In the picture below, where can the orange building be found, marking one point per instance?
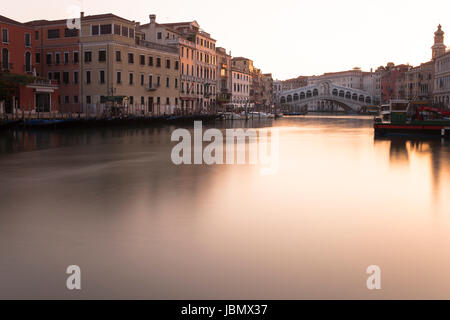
(18, 53)
(57, 58)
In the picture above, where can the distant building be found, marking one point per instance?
(241, 82)
(419, 82)
(393, 82)
(441, 70)
(197, 55)
(225, 78)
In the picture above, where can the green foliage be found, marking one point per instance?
(10, 83)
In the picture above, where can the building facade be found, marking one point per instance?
(442, 80)
(19, 62)
(225, 76)
(241, 82)
(197, 55)
(118, 65)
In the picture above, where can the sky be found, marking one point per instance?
(287, 38)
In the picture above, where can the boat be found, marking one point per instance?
(260, 116)
(400, 117)
(230, 116)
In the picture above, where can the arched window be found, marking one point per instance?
(296, 97)
(5, 59)
(355, 96)
(302, 96)
(348, 95)
(315, 92)
(335, 92)
(289, 98)
(27, 61)
(342, 93)
(368, 100)
(309, 94)
(283, 100)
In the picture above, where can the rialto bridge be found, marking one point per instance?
(326, 96)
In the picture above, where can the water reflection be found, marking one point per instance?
(110, 201)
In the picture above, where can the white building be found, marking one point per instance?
(442, 80)
(354, 79)
(240, 88)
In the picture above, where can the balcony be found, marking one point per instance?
(153, 88)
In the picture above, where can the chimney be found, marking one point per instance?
(152, 18)
(82, 14)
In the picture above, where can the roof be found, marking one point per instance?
(11, 21)
(38, 23)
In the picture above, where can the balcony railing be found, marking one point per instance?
(153, 88)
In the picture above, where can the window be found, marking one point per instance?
(76, 57)
(57, 77)
(102, 56)
(57, 58)
(124, 31)
(88, 57)
(150, 81)
(158, 62)
(131, 100)
(95, 30)
(142, 101)
(130, 58)
(36, 35)
(75, 77)
(70, 33)
(49, 59)
(50, 76)
(118, 56)
(142, 60)
(88, 99)
(66, 99)
(167, 64)
(102, 76)
(150, 61)
(176, 83)
(27, 62)
(38, 58)
(119, 77)
(142, 80)
(167, 83)
(106, 29)
(159, 35)
(75, 99)
(131, 33)
(27, 40)
(131, 79)
(158, 81)
(167, 101)
(177, 65)
(158, 101)
(66, 77)
(117, 29)
(53, 34)
(66, 58)
(88, 77)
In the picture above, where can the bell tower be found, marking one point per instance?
(439, 46)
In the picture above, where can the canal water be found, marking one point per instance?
(112, 202)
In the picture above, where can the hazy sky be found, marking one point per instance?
(285, 37)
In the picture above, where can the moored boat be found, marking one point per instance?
(401, 118)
